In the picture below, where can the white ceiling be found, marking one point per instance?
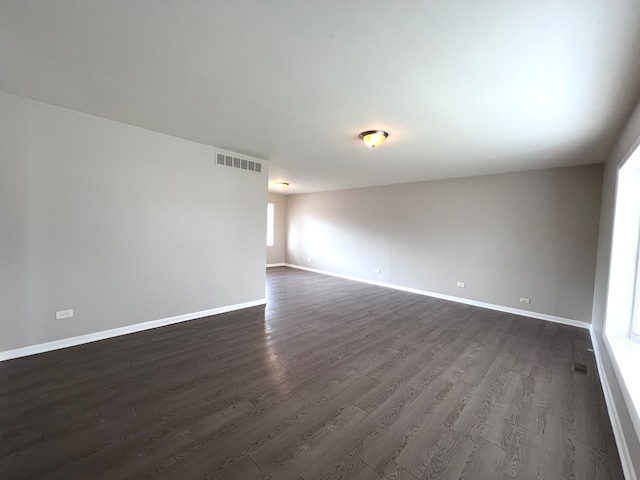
(463, 87)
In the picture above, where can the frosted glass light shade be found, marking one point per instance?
(373, 138)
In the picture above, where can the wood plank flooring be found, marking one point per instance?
(331, 380)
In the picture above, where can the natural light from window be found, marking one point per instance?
(635, 326)
(270, 224)
(622, 324)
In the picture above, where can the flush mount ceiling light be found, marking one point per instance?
(282, 185)
(373, 138)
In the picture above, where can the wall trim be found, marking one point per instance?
(618, 354)
(270, 265)
(491, 306)
(623, 449)
(116, 332)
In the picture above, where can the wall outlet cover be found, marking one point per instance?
(64, 314)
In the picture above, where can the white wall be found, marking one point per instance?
(121, 224)
(276, 253)
(529, 234)
(629, 140)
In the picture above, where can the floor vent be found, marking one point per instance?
(580, 368)
(232, 161)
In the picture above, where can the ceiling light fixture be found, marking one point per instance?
(282, 185)
(373, 138)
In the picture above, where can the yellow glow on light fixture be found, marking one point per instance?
(373, 138)
(282, 185)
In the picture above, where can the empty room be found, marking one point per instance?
(319, 240)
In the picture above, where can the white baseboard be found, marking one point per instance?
(269, 265)
(515, 311)
(623, 450)
(115, 332)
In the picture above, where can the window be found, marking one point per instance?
(623, 303)
(635, 322)
(622, 320)
(270, 224)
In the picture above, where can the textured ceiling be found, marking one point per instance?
(463, 87)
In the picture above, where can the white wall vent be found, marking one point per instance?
(234, 161)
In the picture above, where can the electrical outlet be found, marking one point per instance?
(461, 284)
(64, 314)
(377, 270)
(525, 300)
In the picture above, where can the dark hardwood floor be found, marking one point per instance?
(332, 380)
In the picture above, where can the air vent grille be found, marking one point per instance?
(580, 368)
(232, 161)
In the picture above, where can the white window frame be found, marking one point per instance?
(623, 288)
(635, 318)
(271, 223)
